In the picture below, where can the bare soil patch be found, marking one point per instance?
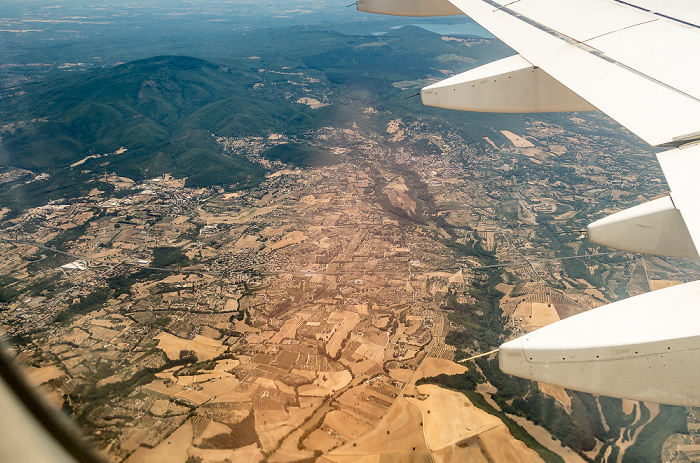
(545, 438)
(399, 433)
(543, 314)
(172, 450)
(401, 374)
(435, 366)
(333, 380)
(661, 284)
(42, 375)
(350, 319)
(558, 393)
(348, 426)
(321, 440)
(450, 417)
(517, 140)
(205, 348)
(501, 446)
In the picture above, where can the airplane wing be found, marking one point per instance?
(638, 66)
(638, 61)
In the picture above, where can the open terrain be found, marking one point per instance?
(255, 253)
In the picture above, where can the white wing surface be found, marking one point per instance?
(639, 62)
(639, 67)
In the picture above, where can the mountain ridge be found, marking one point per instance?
(162, 109)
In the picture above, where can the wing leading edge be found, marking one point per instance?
(637, 61)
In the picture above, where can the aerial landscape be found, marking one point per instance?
(229, 233)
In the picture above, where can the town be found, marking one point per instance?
(292, 321)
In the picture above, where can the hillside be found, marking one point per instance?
(163, 110)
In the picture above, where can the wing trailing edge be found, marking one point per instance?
(655, 228)
(509, 85)
(409, 7)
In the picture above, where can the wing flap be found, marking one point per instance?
(655, 227)
(510, 85)
(680, 168)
